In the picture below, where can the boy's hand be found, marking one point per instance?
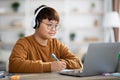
(58, 66)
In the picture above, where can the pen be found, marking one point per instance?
(53, 55)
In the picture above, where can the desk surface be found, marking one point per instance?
(56, 76)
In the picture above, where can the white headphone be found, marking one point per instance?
(34, 23)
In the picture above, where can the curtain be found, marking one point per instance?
(116, 8)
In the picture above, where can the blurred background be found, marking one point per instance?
(81, 23)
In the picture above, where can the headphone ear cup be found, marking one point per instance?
(36, 24)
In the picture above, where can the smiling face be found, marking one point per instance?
(47, 29)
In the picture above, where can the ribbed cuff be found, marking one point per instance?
(47, 67)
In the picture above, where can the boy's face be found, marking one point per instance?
(47, 29)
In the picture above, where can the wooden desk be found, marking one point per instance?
(56, 76)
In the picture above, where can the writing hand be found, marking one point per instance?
(58, 66)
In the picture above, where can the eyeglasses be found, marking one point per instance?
(51, 26)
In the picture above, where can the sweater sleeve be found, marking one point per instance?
(72, 61)
(19, 63)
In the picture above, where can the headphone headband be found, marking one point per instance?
(34, 18)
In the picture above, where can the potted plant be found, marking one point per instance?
(21, 35)
(72, 36)
(92, 6)
(15, 6)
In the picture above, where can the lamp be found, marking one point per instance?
(110, 20)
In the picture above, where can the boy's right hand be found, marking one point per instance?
(58, 66)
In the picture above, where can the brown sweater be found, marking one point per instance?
(29, 56)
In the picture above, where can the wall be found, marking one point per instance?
(76, 17)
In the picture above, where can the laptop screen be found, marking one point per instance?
(101, 58)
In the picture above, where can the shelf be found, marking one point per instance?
(78, 27)
(12, 29)
(84, 42)
(13, 14)
(87, 13)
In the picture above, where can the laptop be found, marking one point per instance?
(100, 58)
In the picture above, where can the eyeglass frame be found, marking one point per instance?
(50, 26)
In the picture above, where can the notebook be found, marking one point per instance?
(100, 58)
